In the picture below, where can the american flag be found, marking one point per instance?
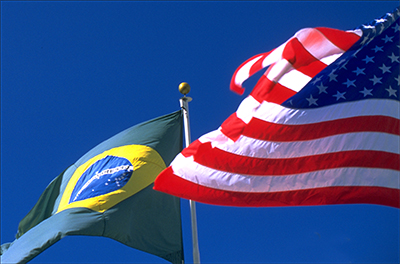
(320, 127)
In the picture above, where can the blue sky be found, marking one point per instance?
(75, 73)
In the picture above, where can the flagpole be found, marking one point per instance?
(184, 89)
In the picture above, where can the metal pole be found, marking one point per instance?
(184, 88)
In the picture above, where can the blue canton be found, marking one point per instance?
(369, 69)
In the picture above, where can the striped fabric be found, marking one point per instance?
(294, 63)
(320, 127)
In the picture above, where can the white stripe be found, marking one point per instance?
(329, 59)
(244, 72)
(255, 148)
(294, 80)
(275, 113)
(274, 56)
(247, 109)
(278, 70)
(189, 170)
(320, 48)
(358, 32)
(323, 50)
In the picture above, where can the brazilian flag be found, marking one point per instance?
(109, 192)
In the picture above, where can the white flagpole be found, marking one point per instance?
(184, 89)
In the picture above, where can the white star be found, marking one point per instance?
(359, 71)
(376, 49)
(341, 61)
(376, 80)
(312, 100)
(396, 28)
(391, 91)
(350, 83)
(322, 88)
(388, 39)
(398, 80)
(366, 38)
(366, 92)
(339, 95)
(382, 28)
(332, 76)
(394, 58)
(368, 59)
(384, 68)
(355, 53)
(344, 65)
(317, 80)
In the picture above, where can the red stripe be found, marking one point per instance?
(312, 69)
(233, 127)
(192, 149)
(262, 88)
(258, 65)
(296, 54)
(264, 130)
(267, 90)
(168, 182)
(342, 39)
(238, 88)
(221, 160)
(301, 58)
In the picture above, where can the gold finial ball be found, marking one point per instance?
(184, 88)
